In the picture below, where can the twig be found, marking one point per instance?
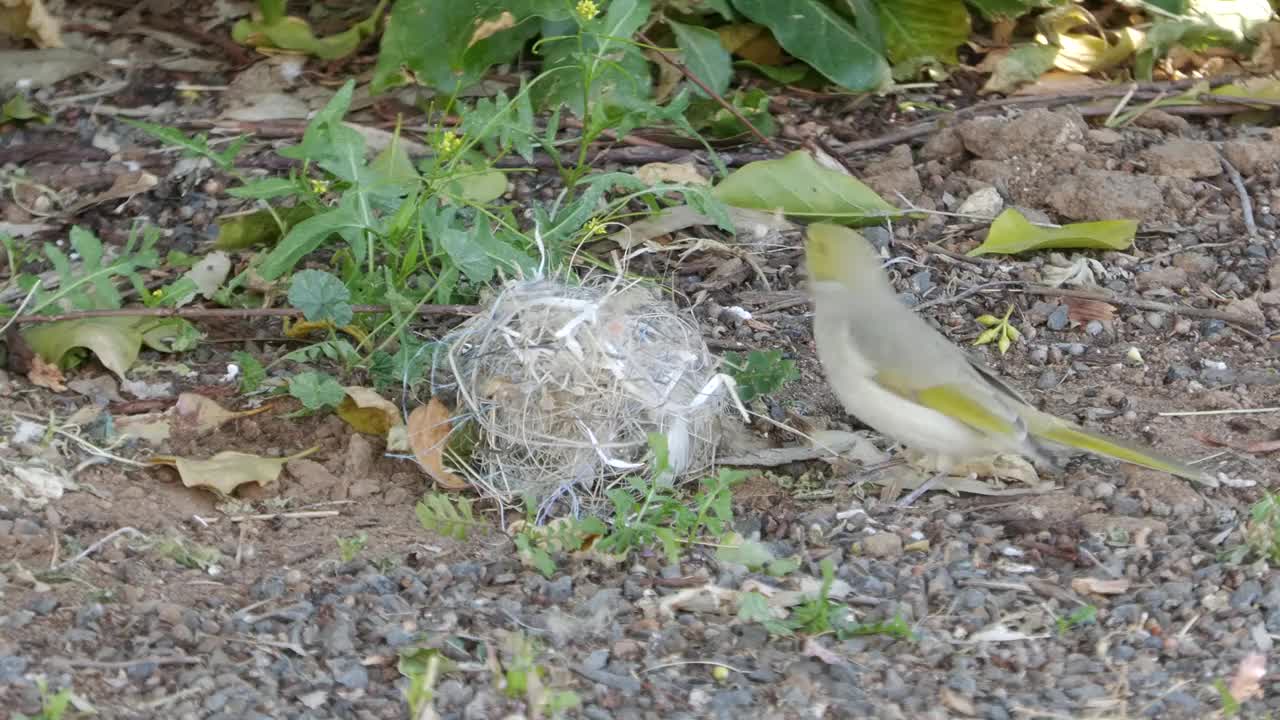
(233, 312)
(1175, 251)
(681, 663)
(1107, 297)
(1193, 413)
(767, 141)
(94, 547)
(295, 515)
(1246, 205)
(121, 664)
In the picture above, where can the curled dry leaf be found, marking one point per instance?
(228, 470)
(429, 428)
(1099, 586)
(368, 412)
(193, 414)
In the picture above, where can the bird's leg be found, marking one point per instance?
(924, 488)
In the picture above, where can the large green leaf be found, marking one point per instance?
(704, 55)
(305, 237)
(116, 341)
(1006, 9)
(800, 187)
(917, 29)
(448, 44)
(1012, 233)
(814, 33)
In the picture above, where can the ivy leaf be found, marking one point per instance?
(321, 296)
(316, 390)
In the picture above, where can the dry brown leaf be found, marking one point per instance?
(46, 375)
(228, 470)
(29, 19)
(1263, 447)
(682, 173)
(957, 702)
(751, 42)
(1247, 683)
(200, 414)
(1083, 311)
(814, 649)
(486, 28)
(429, 428)
(126, 185)
(1098, 586)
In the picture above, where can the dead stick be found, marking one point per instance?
(768, 142)
(1208, 313)
(1246, 204)
(233, 312)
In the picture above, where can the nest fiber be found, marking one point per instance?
(565, 383)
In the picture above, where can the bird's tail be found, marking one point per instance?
(1052, 429)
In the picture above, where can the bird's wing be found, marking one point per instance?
(972, 405)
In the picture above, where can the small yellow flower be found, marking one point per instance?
(587, 9)
(319, 187)
(158, 292)
(189, 95)
(595, 227)
(448, 144)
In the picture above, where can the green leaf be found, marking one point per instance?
(305, 237)
(478, 186)
(251, 371)
(238, 231)
(447, 516)
(800, 187)
(917, 29)
(704, 55)
(1007, 9)
(321, 296)
(435, 42)
(1022, 65)
(115, 341)
(782, 74)
(617, 69)
(751, 553)
(316, 390)
(816, 34)
(761, 372)
(265, 189)
(1013, 233)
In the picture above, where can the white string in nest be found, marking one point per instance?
(565, 383)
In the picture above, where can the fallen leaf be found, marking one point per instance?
(1080, 310)
(429, 428)
(957, 702)
(115, 341)
(28, 19)
(35, 485)
(209, 274)
(126, 185)
(1099, 586)
(1247, 683)
(1263, 447)
(227, 470)
(814, 649)
(368, 412)
(751, 42)
(46, 375)
(1013, 233)
(199, 414)
(680, 173)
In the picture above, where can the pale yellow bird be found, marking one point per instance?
(895, 373)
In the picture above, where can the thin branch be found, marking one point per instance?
(232, 312)
(1246, 204)
(768, 142)
(1144, 304)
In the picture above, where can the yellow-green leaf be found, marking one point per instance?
(798, 186)
(1012, 233)
(227, 470)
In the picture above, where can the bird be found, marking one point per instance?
(898, 375)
